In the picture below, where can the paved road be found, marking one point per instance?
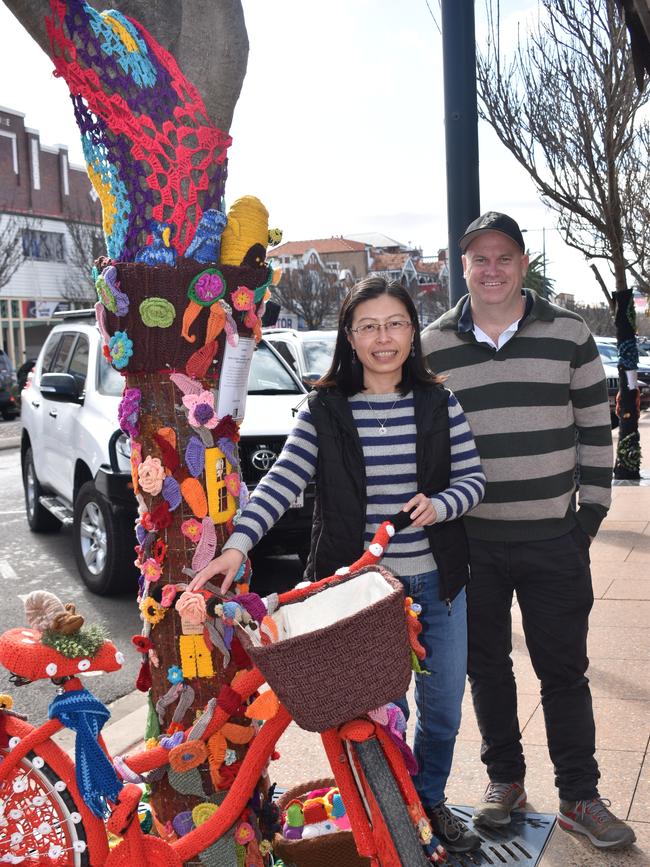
(29, 561)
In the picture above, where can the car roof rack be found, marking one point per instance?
(86, 313)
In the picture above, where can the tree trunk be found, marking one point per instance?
(172, 296)
(628, 451)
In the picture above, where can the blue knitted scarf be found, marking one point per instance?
(96, 777)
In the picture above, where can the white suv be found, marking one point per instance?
(308, 353)
(75, 462)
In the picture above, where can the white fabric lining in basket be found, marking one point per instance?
(331, 605)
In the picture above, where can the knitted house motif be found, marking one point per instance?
(218, 475)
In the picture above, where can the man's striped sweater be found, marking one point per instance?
(390, 474)
(539, 412)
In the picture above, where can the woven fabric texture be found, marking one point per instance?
(343, 671)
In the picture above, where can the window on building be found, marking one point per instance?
(44, 246)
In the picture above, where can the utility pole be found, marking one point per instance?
(461, 130)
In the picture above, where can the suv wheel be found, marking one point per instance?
(102, 541)
(38, 518)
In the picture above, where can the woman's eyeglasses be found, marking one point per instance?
(370, 329)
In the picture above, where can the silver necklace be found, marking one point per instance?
(382, 424)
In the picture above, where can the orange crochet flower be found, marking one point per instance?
(189, 755)
(151, 610)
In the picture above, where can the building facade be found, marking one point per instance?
(47, 209)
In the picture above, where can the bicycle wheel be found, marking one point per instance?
(386, 792)
(39, 819)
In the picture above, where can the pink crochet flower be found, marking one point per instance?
(151, 475)
(192, 529)
(201, 409)
(191, 608)
(151, 571)
(242, 298)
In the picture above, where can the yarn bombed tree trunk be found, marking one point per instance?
(180, 300)
(628, 451)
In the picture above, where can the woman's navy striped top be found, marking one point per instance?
(390, 472)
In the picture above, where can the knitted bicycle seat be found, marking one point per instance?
(55, 643)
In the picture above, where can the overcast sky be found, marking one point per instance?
(340, 125)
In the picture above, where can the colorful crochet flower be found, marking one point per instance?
(142, 643)
(191, 608)
(159, 551)
(209, 287)
(174, 674)
(242, 298)
(151, 610)
(202, 812)
(188, 755)
(128, 412)
(121, 349)
(244, 833)
(192, 529)
(151, 475)
(108, 292)
(151, 570)
(201, 410)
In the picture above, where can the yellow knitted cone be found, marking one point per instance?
(247, 228)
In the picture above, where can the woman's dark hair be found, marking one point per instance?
(346, 372)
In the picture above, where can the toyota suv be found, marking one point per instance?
(75, 463)
(308, 353)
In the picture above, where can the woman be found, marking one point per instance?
(381, 434)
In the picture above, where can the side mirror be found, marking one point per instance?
(61, 387)
(309, 378)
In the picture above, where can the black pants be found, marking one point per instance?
(552, 581)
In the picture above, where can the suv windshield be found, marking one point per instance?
(268, 376)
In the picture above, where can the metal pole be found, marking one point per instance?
(461, 130)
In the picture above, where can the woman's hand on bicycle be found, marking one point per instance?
(423, 513)
(227, 564)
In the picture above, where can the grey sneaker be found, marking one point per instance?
(452, 832)
(593, 819)
(499, 800)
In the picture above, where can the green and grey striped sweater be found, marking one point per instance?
(539, 413)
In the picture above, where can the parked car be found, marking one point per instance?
(608, 351)
(76, 464)
(8, 405)
(611, 372)
(309, 353)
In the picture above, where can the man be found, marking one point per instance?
(529, 378)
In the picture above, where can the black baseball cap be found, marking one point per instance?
(493, 221)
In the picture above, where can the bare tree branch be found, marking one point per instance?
(11, 245)
(566, 106)
(311, 293)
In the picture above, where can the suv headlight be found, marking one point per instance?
(123, 446)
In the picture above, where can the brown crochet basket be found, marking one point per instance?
(331, 850)
(359, 662)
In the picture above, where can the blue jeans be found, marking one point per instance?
(438, 695)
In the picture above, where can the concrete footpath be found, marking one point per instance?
(619, 650)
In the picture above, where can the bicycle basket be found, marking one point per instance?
(329, 850)
(342, 650)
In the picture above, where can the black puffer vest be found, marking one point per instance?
(340, 509)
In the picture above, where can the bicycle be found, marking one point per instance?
(45, 820)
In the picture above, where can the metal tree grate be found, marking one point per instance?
(522, 842)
